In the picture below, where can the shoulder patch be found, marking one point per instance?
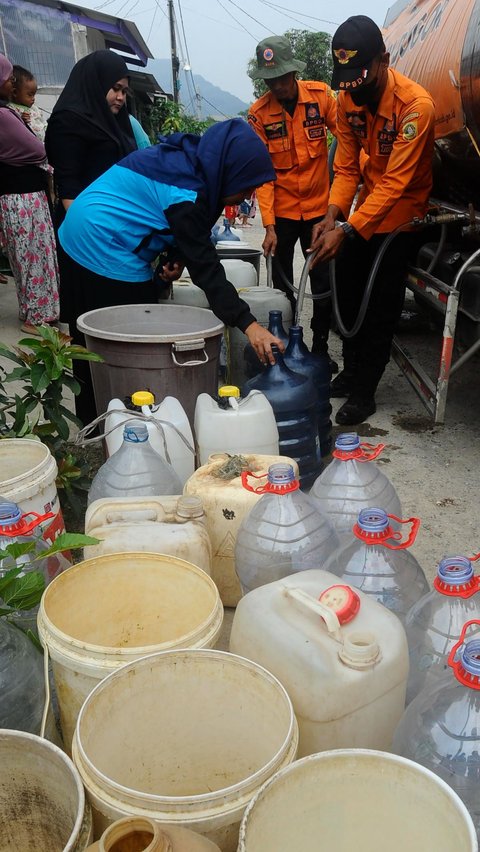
(251, 117)
(411, 116)
(410, 130)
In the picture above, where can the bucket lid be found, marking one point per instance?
(150, 323)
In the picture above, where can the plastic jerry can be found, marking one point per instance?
(170, 434)
(234, 425)
(141, 834)
(282, 533)
(219, 485)
(342, 657)
(352, 481)
(435, 622)
(378, 562)
(174, 525)
(441, 727)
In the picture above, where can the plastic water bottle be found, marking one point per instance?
(253, 365)
(282, 533)
(135, 470)
(379, 564)
(22, 685)
(19, 528)
(298, 358)
(441, 727)
(295, 404)
(435, 622)
(227, 234)
(352, 481)
(172, 438)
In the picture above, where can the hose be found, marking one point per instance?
(333, 294)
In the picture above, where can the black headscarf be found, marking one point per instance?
(85, 94)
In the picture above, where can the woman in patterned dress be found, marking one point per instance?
(26, 231)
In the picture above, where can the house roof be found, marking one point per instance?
(119, 34)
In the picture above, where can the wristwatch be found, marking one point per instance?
(348, 230)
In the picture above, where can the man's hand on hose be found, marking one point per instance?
(270, 242)
(328, 245)
(261, 340)
(319, 232)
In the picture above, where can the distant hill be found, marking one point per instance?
(217, 103)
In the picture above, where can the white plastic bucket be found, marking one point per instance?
(28, 472)
(42, 801)
(367, 801)
(183, 737)
(108, 611)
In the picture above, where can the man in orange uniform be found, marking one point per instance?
(385, 136)
(292, 119)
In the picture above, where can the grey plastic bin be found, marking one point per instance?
(171, 350)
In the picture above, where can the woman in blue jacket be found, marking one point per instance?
(163, 201)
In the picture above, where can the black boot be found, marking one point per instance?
(355, 410)
(343, 384)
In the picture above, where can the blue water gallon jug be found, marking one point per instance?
(282, 534)
(352, 481)
(299, 359)
(440, 729)
(135, 470)
(253, 365)
(294, 401)
(378, 562)
(435, 622)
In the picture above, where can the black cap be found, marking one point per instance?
(356, 43)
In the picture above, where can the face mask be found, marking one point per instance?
(365, 94)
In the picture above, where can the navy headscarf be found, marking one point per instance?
(228, 158)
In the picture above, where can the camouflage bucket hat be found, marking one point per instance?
(275, 58)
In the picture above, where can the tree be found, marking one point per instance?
(312, 48)
(167, 117)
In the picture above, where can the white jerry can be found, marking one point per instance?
(171, 525)
(243, 426)
(342, 657)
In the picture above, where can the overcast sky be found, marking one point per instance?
(218, 37)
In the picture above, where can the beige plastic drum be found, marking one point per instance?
(108, 611)
(367, 801)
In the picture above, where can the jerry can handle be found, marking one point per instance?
(36, 520)
(261, 488)
(461, 640)
(415, 522)
(371, 451)
(474, 558)
(308, 602)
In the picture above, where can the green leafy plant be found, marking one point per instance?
(44, 369)
(167, 117)
(21, 587)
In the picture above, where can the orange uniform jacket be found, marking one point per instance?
(396, 163)
(298, 148)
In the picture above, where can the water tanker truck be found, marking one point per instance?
(437, 43)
